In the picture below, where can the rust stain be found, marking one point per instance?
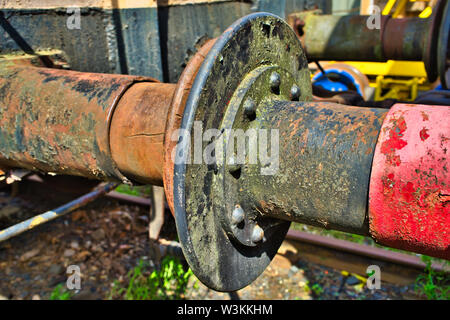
(175, 113)
(395, 141)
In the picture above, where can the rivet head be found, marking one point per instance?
(237, 215)
(250, 108)
(257, 234)
(275, 81)
(295, 93)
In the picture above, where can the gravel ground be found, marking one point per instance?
(106, 239)
(302, 280)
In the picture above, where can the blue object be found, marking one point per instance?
(440, 87)
(343, 82)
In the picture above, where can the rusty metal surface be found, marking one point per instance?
(230, 187)
(405, 39)
(58, 121)
(109, 40)
(410, 184)
(329, 37)
(325, 158)
(137, 131)
(176, 113)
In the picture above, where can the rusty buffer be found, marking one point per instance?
(349, 38)
(369, 171)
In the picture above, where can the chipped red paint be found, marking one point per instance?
(395, 141)
(424, 134)
(409, 197)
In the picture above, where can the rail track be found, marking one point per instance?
(343, 256)
(397, 268)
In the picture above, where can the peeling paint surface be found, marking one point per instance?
(409, 206)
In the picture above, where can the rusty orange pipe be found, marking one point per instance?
(65, 121)
(137, 131)
(99, 126)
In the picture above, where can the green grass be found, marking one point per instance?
(432, 284)
(168, 283)
(60, 293)
(317, 289)
(139, 191)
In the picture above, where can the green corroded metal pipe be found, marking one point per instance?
(325, 158)
(330, 37)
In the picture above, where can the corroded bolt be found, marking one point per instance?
(238, 215)
(295, 93)
(275, 81)
(250, 108)
(257, 234)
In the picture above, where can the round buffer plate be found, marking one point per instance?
(221, 256)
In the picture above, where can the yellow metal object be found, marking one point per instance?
(426, 13)
(362, 279)
(400, 8)
(392, 68)
(388, 7)
(406, 90)
(394, 79)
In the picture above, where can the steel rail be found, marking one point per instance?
(353, 248)
(56, 213)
